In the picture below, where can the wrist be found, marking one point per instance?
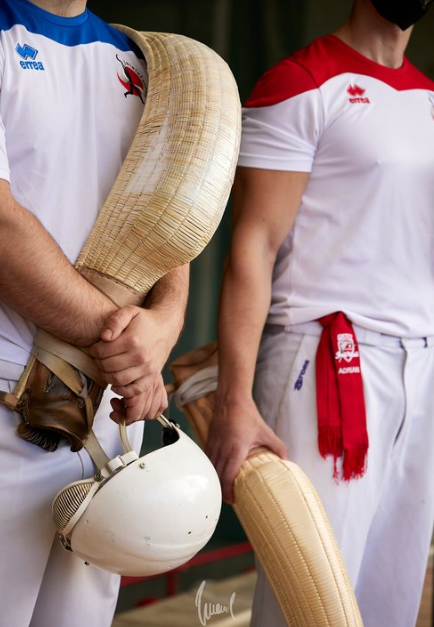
(172, 319)
(93, 325)
(233, 396)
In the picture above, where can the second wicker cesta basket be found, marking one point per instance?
(280, 511)
(173, 187)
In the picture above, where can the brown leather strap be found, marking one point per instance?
(70, 354)
(11, 400)
(95, 450)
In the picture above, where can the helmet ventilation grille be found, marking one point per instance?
(68, 502)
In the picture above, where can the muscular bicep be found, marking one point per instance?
(266, 203)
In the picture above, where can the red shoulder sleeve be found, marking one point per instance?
(285, 80)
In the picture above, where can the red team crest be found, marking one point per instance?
(347, 351)
(131, 80)
(346, 347)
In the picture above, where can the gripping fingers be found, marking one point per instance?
(118, 322)
(143, 406)
(129, 376)
(137, 387)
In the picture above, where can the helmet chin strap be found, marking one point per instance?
(95, 450)
(102, 462)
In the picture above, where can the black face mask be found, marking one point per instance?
(403, 13)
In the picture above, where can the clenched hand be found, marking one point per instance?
(133, 349)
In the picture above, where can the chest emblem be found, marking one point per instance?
(28, 56)
(357, 95)
(131, 80)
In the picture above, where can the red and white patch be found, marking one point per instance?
(130, 79)
(346, 347)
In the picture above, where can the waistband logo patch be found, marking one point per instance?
(346, 347)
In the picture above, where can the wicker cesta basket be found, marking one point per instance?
(172, 190)
(167, 200)
(279, 510)
(169, 196)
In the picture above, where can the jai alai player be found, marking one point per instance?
(71, 97)
(327, 304)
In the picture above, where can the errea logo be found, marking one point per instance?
(26, 52)
(357, 95)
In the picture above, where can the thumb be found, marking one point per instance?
(117, 323)
(279, 447)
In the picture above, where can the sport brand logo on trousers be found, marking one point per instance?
(357, 95)
(299, 383)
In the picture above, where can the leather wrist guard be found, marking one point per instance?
(57, 395)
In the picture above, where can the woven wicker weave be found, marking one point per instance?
(288, 528)
(280, 512)
(173, 187)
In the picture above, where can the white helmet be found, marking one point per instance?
(142, 516)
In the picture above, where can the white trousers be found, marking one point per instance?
(42, 584)
(383, 522)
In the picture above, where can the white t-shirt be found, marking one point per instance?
(71, 97)
(363, 239)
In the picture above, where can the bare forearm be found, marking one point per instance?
(265, 206)
(237, 427)
(39, 282)
(244, 304)
(169, 298)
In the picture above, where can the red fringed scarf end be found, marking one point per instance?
(340, 400)
(354, 464)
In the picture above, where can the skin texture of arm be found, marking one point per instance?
(136, 343)
(39, 282)
(265, 205)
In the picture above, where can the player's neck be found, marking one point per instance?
(375, 38)
(64, 8)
